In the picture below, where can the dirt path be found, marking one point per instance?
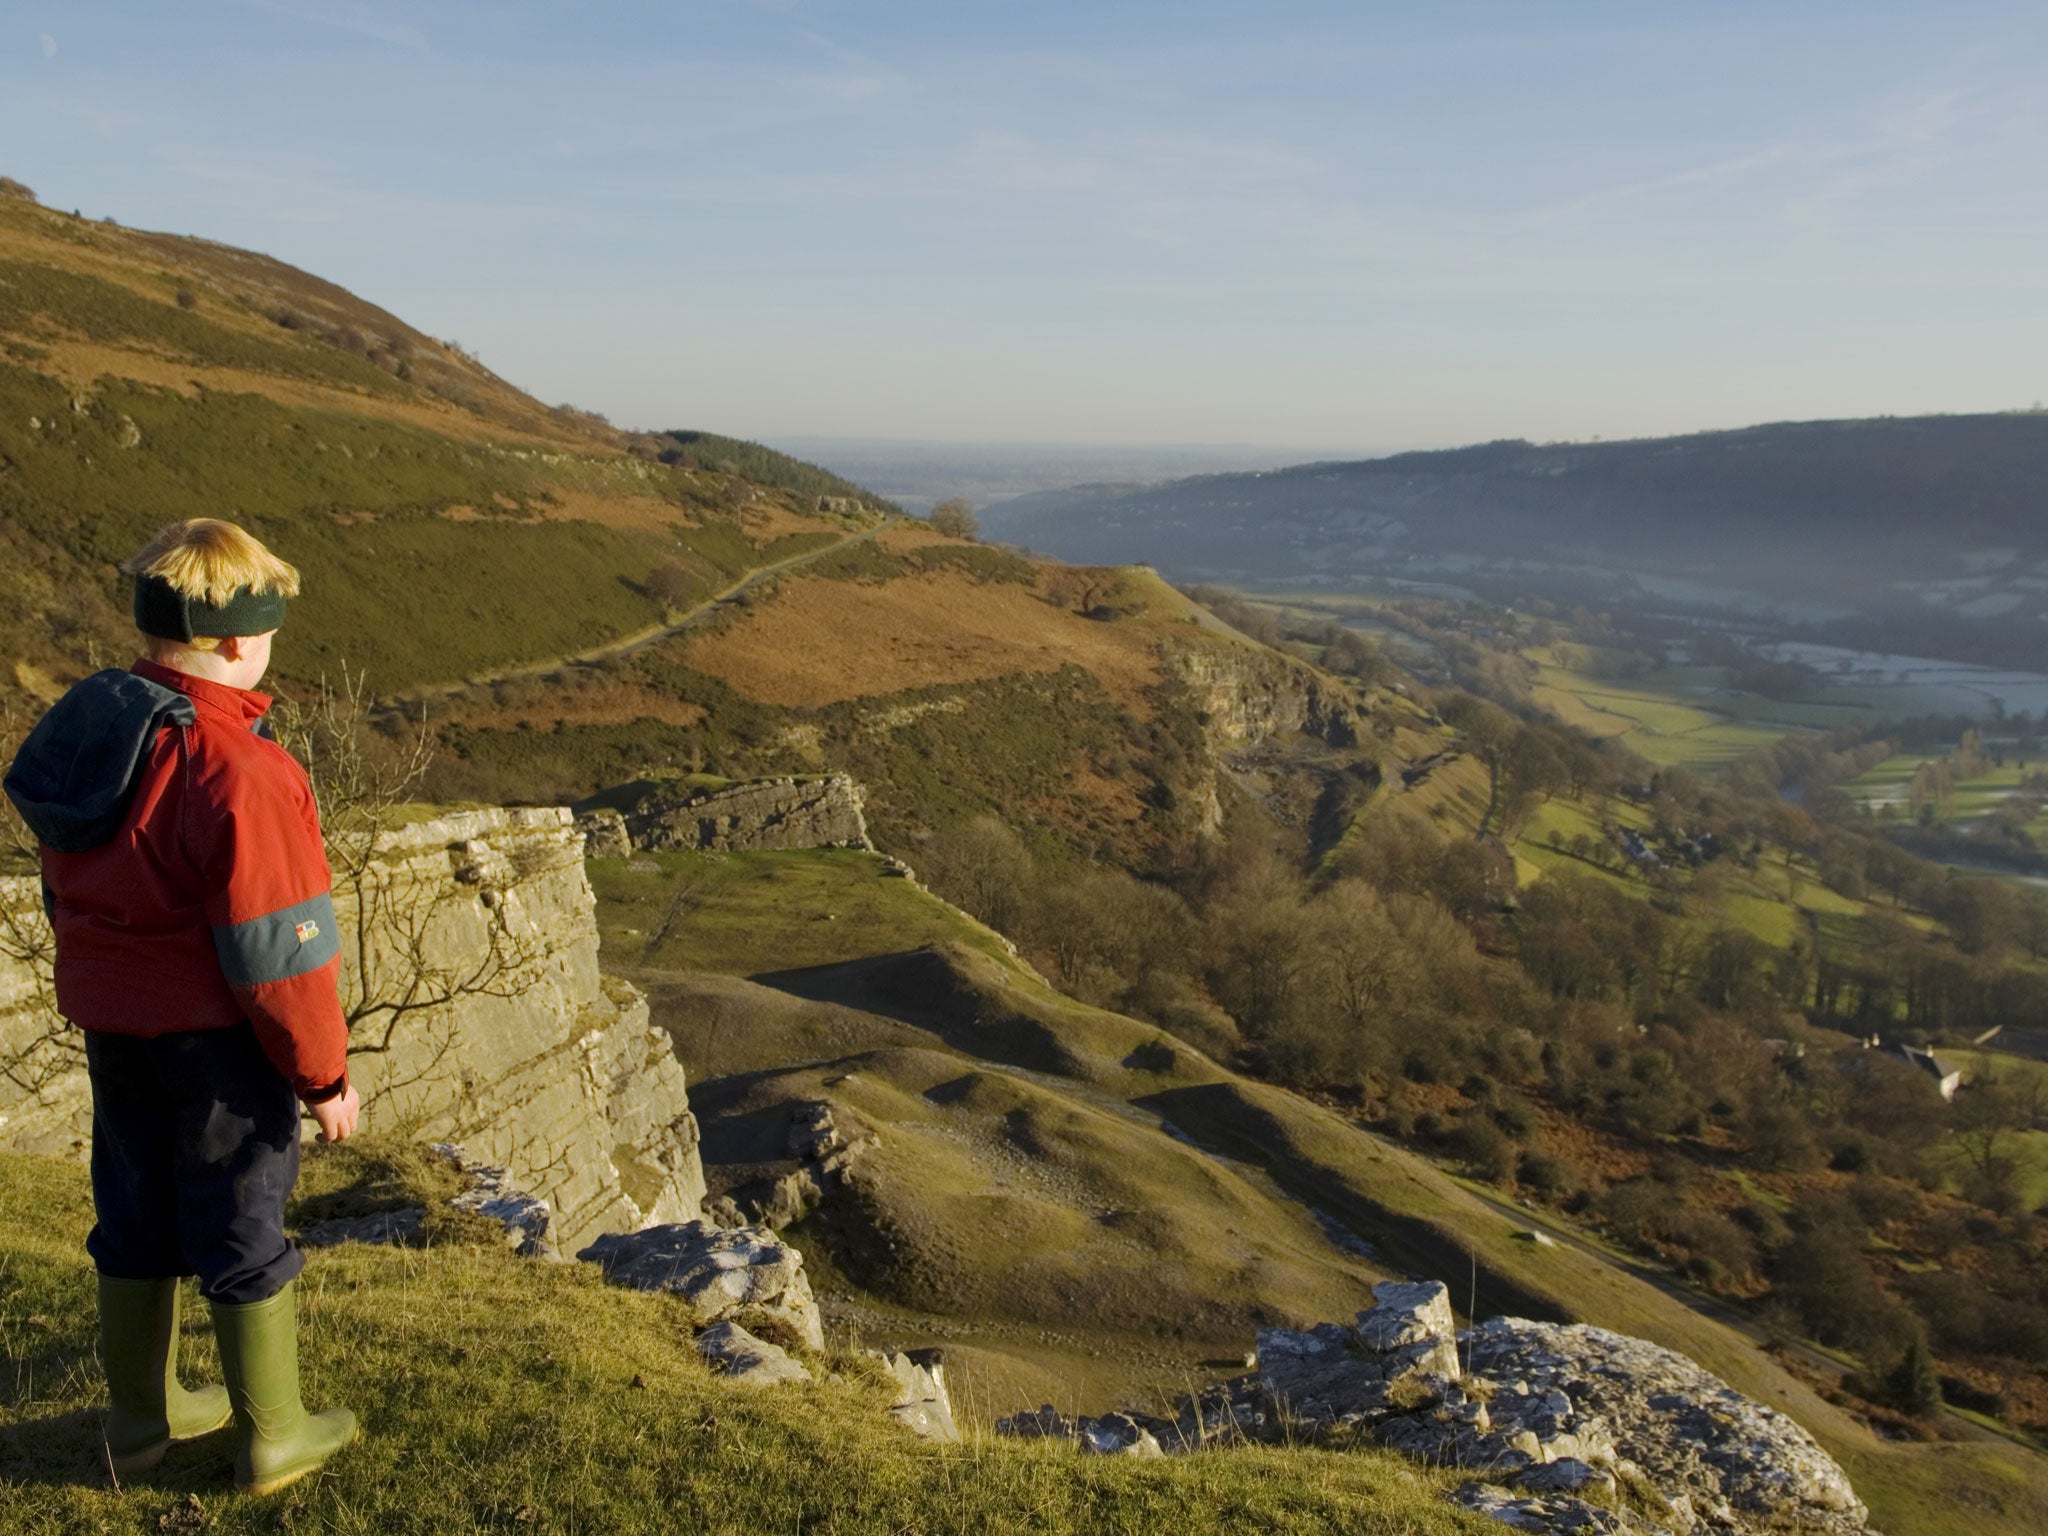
(625, 645)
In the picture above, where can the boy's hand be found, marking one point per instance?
(336, 1117)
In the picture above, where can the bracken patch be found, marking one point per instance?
(820, 642)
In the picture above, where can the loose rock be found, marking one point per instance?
(922, 1404)
(746, 1274)
(1554, 1513)
(1113, 1434)
(525, 1217)
(737, 1354)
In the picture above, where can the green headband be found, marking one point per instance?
(162, 610)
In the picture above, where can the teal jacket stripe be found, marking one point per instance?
(288, 942)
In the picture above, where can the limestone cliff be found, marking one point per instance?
(774, 813)
(1249, 697)
(1277, 730)
(469, 954)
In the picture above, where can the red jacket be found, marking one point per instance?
(210, 902)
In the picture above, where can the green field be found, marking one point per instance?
(745, 914)
(1885, 790)
(1679, 717)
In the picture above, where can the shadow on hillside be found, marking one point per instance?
(930, 989)
(1222, 1119)
(736, 1138)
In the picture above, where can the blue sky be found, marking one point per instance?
(1127, 221)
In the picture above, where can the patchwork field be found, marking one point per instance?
(1679, 717)
(1886, 790)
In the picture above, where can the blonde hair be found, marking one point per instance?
(211, 560)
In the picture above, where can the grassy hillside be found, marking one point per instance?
(500, 1394)
(572, 605)
(447, 524)
(952, 680)
(1089, 1210)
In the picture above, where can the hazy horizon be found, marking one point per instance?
(1117, 224)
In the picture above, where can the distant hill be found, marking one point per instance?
(1931, 522)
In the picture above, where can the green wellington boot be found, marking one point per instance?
(147, 1407)
(259, 1354)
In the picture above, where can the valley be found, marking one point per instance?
(1219, 952)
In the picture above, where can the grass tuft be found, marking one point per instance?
(500, 1394)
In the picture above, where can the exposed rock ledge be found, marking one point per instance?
(775, 813)
(1555, 1411)
(543, 1067)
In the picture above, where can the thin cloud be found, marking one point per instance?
(358, 19)
(49, 44)
(292, 191)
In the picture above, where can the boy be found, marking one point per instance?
(188, 888)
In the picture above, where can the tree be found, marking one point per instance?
(955, 518)
(670, 585)
(1915, 1383)
(36, 1046)
(985, 868)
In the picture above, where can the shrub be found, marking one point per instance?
(1482, 1145)
(1549, 1176)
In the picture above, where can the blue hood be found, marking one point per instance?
(74, 776)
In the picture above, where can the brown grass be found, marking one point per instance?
(903, 538)
(819, 642)
(649, 513)
(578, 711)
(763, 522)
(1587, 1149)
(80, 365)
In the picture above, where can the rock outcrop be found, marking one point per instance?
(1248, 697)
(45, 1101)
(737, 1355)
(1721, 1460)
(746, 1275)
(775, 813)
(829, 1143)
(491, 1194)
(922, 1406)
(1553, 1411)
(481, 1018)
(1551, 1514)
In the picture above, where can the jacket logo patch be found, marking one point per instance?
(307, 931)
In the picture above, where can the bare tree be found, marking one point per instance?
(38, 1047)
(405, 976)
(955, 518)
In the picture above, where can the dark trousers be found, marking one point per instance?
(195, 1147)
